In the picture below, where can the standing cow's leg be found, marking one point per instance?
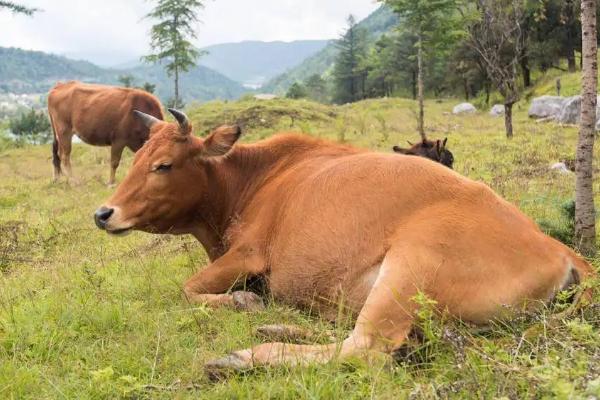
(55, 148)
(116, 151)
(65, 154)
(382, 326)
(209, 285)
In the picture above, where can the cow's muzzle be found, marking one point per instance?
(102, 215)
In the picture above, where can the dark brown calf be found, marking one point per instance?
(434, 150)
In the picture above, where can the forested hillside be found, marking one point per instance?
(383, 20)
(24, 71)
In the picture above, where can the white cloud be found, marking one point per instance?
(109, 32)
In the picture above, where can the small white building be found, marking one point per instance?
(265, 96)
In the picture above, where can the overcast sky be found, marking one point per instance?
(109, 32)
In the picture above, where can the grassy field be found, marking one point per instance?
(84, 315)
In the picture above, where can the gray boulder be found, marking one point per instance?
(571, 112)
(464, 108)
(497, 110)
(546, 106)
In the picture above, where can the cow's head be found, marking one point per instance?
(168, 178)
(433, 149)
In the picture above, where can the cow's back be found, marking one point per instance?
(336, 219)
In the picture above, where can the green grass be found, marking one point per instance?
(84, 315)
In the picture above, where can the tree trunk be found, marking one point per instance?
(585, 214)
(508, 120)
(421, 90)
(526, 71)
(487, 93)
(176, 87)
(414, 85)
(570, 25)
(466, 88)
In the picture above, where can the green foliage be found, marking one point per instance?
(170, 37)
(350, 72)
(382, 21)
(296, 91)
(316, 88)
(17, 8)
(126, 80)
(148, 87)
(32, 126)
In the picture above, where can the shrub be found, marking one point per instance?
(32, 126)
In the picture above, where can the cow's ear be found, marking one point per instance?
(220, 141)
(444, 142)
(438, 147)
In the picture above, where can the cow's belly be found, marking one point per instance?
(328, 289)
(94, 138)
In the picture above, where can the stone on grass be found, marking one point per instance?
(546, 106)
(464, 108)
(497, 110)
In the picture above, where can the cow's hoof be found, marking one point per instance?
(283, 333)
(220, 369)
(247, 301)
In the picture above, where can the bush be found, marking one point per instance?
(32, 126)
(296, 91)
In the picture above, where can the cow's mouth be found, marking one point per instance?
(119, 232)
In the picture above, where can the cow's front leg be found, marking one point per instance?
(210, 285)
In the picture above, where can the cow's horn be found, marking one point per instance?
(182, 119)
(147, 119)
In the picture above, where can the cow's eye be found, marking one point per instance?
(164, 167)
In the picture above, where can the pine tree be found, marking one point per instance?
(349, 73)
(296, 91)
(170, 38)
(435, 26)
(316, 88)
(17, 8)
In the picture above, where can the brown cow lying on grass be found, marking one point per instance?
(325, 223)
(101, 116)
(435, 150)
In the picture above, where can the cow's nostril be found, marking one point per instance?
(102, 215)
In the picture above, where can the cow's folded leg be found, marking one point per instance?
(209, 285)
(284, 333)
(240, 300)
(382, 326)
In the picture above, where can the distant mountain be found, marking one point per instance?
(23, 71)
(254, 62)
(382, 20)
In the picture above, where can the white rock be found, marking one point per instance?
(560, 167)
(546, 106)
(497, 110)
(464, 108)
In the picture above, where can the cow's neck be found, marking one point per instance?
(232, 181)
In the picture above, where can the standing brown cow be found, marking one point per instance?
(99, 115)
(327, 224)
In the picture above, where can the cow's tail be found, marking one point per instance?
(55, 146)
